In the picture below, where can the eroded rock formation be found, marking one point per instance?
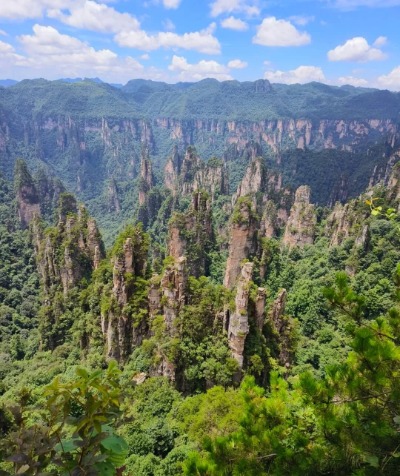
(300, 227)
(238, 327)
(243, 239)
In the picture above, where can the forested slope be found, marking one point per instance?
(255, 333)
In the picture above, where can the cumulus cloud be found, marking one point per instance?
(302, 74)
(233, 23)
(380, 41)
(301, 20)
(358, 82)
(391, 80)
(95, 16)
(237, 64)
(171, 3)
(55, 55)
(247, 7)
(203, 41)
(20, 9)
(197, 71)
(274, 32)
(356, 49)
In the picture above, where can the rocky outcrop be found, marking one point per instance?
(282, 326)
(146, 179)
(300, 227)
(190, 234)
(28, 204)
(184, 176)
(238, 326)
(243, 239)
(125, 306)
(253, 180)
(69, 252)
(114, 204)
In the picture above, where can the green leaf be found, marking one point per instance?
(372, 460)
(67, 446)
(114, 443)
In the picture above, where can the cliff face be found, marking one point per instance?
(28, 204)
(190, 234)
(65, 254)
(300, 227)
(238, 326)
(124, 308)
(243, 239)
(70, 251)
(184, 176)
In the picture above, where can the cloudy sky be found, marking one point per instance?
(289, 41)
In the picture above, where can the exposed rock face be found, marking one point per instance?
(172, 294)
(117, 324)
(114, 204)
(243, 239)
(394, 185)
(26, 194)
(260, 308)
(281, 325)
(345, 221)
(212, 177)
(124, 323)
(190, 234)
(253, 180)
(300, 228)
(172, 171)
(146, 180)
(239, 320)
(173, 289)
(78, 239)
(184, 176)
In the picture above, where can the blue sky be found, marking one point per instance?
(332, 41)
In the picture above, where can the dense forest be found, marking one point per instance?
(250, 333)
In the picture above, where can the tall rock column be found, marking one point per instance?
(26, 194)
(238, 327)
(243, 239)
(300, 227)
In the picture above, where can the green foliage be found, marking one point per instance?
(345, 423)
(70, 431)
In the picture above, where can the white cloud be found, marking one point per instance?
(95, 16)
(391, 80)
(3, 33)
(233, 23)
(145, 57)
(302, 74)
(203, 41)
(356, 49)
(358, 82)
(380, 41)
(168, 25)
(54, 55)
(21, 9)
(171, 3)
(248, 7)
(237, 64)
(301, 20)
(273, 32)
(201, 70)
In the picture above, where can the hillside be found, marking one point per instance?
(91, 135)
(255, 322)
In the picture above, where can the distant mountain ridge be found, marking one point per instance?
(91, 134)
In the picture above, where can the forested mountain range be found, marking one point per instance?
(91, 135)
(219, 296)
